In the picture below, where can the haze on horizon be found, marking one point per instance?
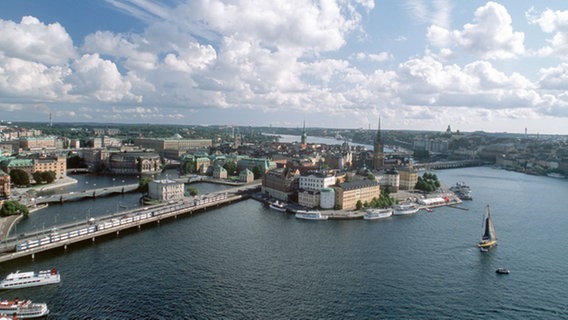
(496, 66)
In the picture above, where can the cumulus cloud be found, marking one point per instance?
(34, 41)
(556, 23)
(490, 36)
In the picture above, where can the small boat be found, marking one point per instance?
(372, 214)
(428, 209)
(462, 191)
(488, 237)
(19, 279)
(278, 206)
(502, 271)
(406, 209)
(23, 309)
(310, 215)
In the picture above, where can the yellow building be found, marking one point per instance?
(408, 178)
(347, 194)
(57, 164)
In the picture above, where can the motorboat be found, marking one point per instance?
(278, 206)
(503, 271)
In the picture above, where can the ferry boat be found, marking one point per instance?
(462, 191)
(24, 309)
(19, 279)
(310, 215)
(278, 206)
(372, 214)
(406, 209)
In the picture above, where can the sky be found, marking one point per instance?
(494, 66)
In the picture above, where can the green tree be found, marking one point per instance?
(188, 166)
(231, 168)
(19, 178)
(38, 177)
(49, 176)
(359, 205)
(258, 171)
(12, 207)
(192, 191)
(143, 184)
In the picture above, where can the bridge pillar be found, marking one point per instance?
(94, 194)
(93, 239)
(65, 247)
(117, 233)
(33, 256)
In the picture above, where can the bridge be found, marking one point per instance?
(448, 164)
(90, 193)
(65, 235)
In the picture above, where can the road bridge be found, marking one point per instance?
(63, 236)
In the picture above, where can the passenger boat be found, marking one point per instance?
(372, 214)
(278, 206)
(19, 279)
(488, 237)
(24, 309)
(462, 191)
(310, 215)
(406, 209)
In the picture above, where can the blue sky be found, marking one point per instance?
(497, 66)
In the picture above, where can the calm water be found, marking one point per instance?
(245, 261)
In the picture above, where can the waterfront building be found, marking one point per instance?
(55, 163)
(219, 172)
(246, 176)
(133, 162)
(4, 185)
(327, 198)
(347, 194)
(309, 198)
(165, 190)
(281, 183)
(251, 163)
(26, 165)
(408, 178)
(10, 147)
(316, 180)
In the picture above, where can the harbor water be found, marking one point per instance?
(245, 261)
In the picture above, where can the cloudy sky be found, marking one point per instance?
(421, 65)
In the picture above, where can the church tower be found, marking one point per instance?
(378, 153)
(304, 139)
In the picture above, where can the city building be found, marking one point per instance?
(327, 198)
(174, 148)
(133, 163)
(165, 190)
(281, 183)
(408, 178)
(219, 172)
(246, 176)
(55, 163)
(4, 185)
(309, 198)
(317, 180)
(347, 194)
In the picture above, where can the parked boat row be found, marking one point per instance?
(462, 191)
(374, 214)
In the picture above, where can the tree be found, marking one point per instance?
(143, 185)
(231, 168)
(38, 177)
(12, 207)
(49, 176)
(359, 205)
(258, 171)
(192, 191)
(188, 166)
(19, 177)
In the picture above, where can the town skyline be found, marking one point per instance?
(494, 66)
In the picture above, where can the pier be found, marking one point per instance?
(62, 236)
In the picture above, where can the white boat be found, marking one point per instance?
(310, 215)
(406, 209)
(372, 214)
(24, 309)
(462, 191)
(278, 206)
(19, 279)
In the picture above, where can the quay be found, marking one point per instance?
(65, 235)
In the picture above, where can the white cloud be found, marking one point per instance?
(491, 36)
(34, 41)
(555, 22)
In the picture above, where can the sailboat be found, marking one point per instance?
(488, 238)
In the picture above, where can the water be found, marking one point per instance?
(245, 261)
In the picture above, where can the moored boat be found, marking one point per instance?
(488, 237)
(372, 214)
(23, 309)
(310, 215)
(19, 279)
(406, 209)
(278, 206)
(462, 191)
